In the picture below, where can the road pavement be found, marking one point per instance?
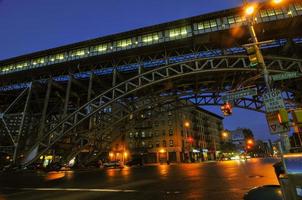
(225, 180)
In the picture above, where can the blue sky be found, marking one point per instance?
(33, 25)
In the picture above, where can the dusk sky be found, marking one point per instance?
(33, 25)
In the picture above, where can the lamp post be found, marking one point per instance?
(187, 126)
(250, 10)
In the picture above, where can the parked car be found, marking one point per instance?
(135, 161)
(112, 164)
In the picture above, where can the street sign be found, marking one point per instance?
(273, 101)
(284, 76)
(239, 94)
(273, 123)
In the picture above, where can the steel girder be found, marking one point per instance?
(136, 83)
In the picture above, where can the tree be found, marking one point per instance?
(248, 134)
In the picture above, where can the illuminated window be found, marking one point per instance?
(271, 12)
(298, 6)
(263, 13)
(231, 20)
(150, 38)
(78, 53)
(38, 61)
(207, 24)
(101, 48)
(171, 143)
(278, 12)
(124, 43)
(57, 57)
(21, 65)
(178, 32)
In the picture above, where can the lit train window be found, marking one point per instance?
(57, 57)
(100, 48)
(182, 31)
(38, 61)
(150, 38)
(21, 65)
(207, 24)
(278, 12)
(78, 53)
(298, 6)
(124, 43)
(271, 12)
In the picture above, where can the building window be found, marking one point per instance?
(156, 133)
(164, 132)
(182, 132)
(182, 31)
(131, 135)
(164, 143)
(169, 122)
(150, 145)
(143, 134)
(136, 134)
(124, 43)
(157, 144)
(171, 143)
(150, 134)
(170, 131)
(150, 38)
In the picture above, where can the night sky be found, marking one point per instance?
(33, 25)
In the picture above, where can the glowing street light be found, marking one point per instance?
(250, 9)
(162, 151)
(277, 1)
(250, 141)
(187, 124)
(225, 134)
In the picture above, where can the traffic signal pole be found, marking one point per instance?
(250, 23)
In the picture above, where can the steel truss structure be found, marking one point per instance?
(85, 114)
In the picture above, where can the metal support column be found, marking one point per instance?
(22, 123)
(89, 96)
(67, 96)
(114, 74)
(45, 106)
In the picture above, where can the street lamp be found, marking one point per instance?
(225, 134)
(250, 142)
(187, 124)
(249, 10)
(277, 1)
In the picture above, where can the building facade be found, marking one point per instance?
(188, 134)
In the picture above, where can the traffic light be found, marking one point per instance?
(283, 116)
(226, 109)
(252, 53)
(297, 116)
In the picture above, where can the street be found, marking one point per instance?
(225, 180)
